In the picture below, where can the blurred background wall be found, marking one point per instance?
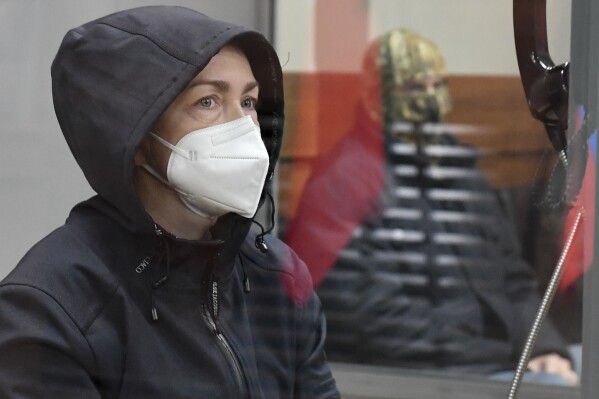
(323, 42)
(476, 37)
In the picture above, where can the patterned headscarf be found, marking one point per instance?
(404, 62)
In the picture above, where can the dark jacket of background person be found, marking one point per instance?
(440, 294)
(425, 271)
(112, 306)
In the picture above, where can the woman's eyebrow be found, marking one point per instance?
(218, 84)
(221, 85)
(251, 86)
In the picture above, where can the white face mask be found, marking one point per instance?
(219, 169)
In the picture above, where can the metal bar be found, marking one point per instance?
(542, 313)
(585, 91)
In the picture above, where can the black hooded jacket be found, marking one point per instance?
(112, 306)
(428, 275)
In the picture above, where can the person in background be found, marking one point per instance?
(407, 244)
(157, 287)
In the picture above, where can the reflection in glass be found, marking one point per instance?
(411, 249)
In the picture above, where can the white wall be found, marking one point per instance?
(39, 179)
(294, 34)
(476, 36)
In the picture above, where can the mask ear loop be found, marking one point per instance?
(191, 155)
(151, 171)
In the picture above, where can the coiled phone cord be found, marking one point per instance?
(543, 309)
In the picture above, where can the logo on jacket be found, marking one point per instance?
(142, 266)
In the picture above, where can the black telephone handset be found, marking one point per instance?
(545, 84)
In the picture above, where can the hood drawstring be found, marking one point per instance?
(246, 281)
(165, 255)
(259, 243)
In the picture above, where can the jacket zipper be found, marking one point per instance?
(211, 316)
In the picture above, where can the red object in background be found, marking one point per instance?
(342, 192)
(580, 257)
(331, 206)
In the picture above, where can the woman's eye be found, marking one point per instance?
(206, 102)
(249, 103)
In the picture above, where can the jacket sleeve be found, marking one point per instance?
(43, 354)
(511, 275)
(373, 318)
(313, 375)
(522, 288)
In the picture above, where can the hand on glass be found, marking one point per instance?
(553, 363)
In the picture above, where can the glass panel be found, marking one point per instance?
(418, 188)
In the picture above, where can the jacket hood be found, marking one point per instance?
(113, 77)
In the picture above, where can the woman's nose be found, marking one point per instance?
(234, 112)
(237, 111)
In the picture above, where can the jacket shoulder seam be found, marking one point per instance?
(81, 330)
(102, 303)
